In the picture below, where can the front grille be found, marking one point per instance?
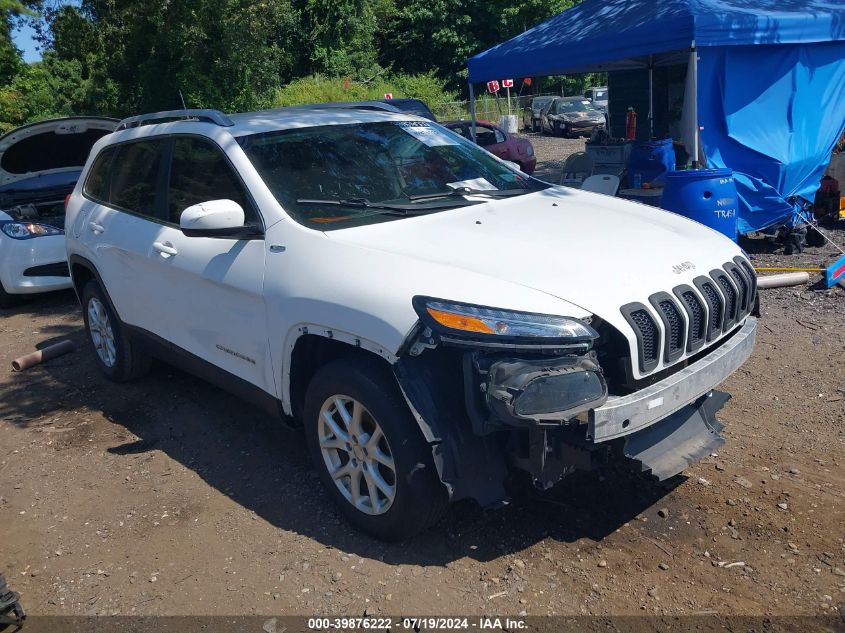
(731, 299)
(752, 278)
(673, 324)
(715, 306)
(647, 333)
(742, 285)
(693, 316)
(696, 317)
(48, 270)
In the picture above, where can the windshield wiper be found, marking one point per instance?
(363, 203)
(469, 191)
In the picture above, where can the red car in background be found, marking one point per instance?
(498, 142)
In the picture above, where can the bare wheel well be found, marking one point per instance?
(81, 275)
(309, 354)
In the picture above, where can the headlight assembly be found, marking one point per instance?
(483, 323)
(28, 230)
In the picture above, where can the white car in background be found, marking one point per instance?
(39, 166)
(432, 318)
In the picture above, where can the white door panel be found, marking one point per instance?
(212, 301)
(122, 243)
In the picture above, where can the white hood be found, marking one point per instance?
(590, 250)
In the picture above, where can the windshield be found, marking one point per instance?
(336, 176)
(576, 106)
(540, 102)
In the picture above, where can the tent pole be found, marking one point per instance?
(694, 69)
(650, 97)
(472, 109)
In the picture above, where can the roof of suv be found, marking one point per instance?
(294, 117)
(263, 121)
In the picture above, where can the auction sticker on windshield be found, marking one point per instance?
(428, 134)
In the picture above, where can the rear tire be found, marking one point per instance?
(366, 445)
(114, 353)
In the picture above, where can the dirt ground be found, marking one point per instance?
(169, 496)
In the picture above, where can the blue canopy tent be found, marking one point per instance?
(767, 79)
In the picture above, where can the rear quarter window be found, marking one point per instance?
(97, 184)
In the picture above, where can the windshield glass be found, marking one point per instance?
(576, 106)
(539, 102)
(336, 176)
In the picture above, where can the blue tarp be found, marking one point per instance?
(773, 115)
(771, 83)
(599, 35)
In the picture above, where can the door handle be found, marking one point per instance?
(97, 228)
(166, 249)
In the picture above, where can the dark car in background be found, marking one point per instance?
(533, 111)
(571, 116)
(498, 142)
(412, 106)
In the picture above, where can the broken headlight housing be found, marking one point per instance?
(28, 230)
(460, 320)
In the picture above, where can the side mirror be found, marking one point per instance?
(215, 218)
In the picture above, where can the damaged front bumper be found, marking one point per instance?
(665, 427)
(550, 415)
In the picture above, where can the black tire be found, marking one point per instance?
(536, 126)
(557, 131)
(815, 238)
(129, 362)
(8, 300)
(420, 498)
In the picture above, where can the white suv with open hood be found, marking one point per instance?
(39, 166)
(431, 317)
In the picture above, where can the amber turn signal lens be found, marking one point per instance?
(460, 322)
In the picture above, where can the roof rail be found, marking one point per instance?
(208, 116)
(351, 105)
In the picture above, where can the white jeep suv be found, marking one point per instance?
(432, 318)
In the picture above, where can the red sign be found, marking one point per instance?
(388, 95)
(527, 81)
(493, 86)
(507, 83)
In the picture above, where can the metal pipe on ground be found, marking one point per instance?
(785, 279)
(39, 356)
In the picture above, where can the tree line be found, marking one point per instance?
(117, 57)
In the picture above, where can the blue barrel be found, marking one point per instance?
(704, 195)
(650, 160)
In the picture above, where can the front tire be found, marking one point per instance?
(369, 452)
(114, 353)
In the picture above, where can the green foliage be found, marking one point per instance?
(317, 89)
(451, 31)
(119, 57)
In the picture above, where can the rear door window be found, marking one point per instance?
(200, 173)
(135, 177)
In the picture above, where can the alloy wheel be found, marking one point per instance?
(357, 454)
(102, 335)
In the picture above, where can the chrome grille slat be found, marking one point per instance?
(696, 317)
(731, 297)
(674, 325)
(647, 333)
